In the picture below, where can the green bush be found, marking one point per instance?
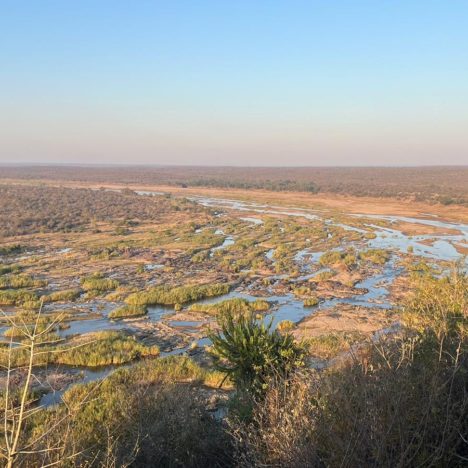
(250, 353)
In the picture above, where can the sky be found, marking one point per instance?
(249, 83)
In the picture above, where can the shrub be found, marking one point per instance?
(311, 301)
(250, 353)
(330, 258)
(378, 256)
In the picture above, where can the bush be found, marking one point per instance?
(250, 353)
(330, 258)
(378, 256)
(311, 301)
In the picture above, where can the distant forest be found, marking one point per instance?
(446, 185)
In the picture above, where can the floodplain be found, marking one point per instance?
(127, 278)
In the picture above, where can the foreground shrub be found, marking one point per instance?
(250, 352)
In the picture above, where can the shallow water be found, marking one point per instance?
(89, 374)
(79, 327)
(229, 240)
(441, 249)
(287, 306)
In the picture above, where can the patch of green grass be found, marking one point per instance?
(330, 258)
(98, 283)
(324, 276)
(17, 297)
(128, 311)
(331, 344)
(5, 269)
(234, 306)
(302, 291)
(285, 326)
(91, 350)
(165, 295)
(20, 281)
(66, 295)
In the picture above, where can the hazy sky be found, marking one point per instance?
(234, 82)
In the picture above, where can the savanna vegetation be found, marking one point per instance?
(167, 304)
(34, 209)
(445, 185)
(401, 400)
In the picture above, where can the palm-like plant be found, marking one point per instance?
(250, 352)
